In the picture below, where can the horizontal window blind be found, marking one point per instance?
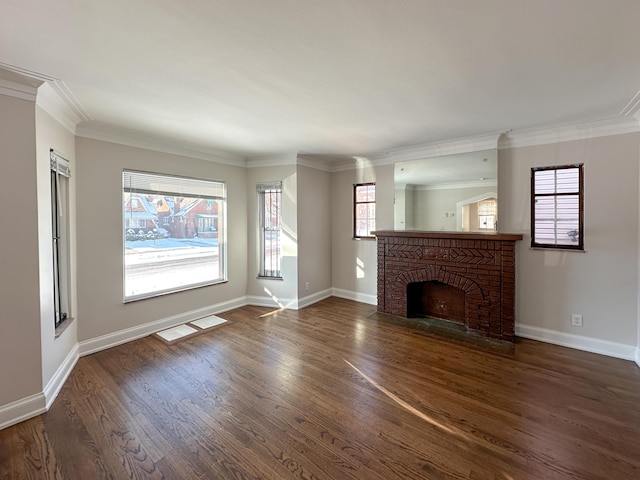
(59, 164)
(158, 184)
(557, 207)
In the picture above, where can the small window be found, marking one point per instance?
(557, 207)
(487, 210)
(364, 210)
(270, 218)
(188, 250)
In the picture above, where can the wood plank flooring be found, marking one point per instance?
(333, 392)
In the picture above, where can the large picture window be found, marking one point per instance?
(270, 217)
(557, 207)
(174, 233)
(364, 210)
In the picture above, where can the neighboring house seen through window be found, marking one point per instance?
(174, 233)
(557, 207)
(270, 218)
(364, 210)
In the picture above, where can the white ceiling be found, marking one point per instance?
(258, 77)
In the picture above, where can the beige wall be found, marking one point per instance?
(273, 291)
(354, 262)
(433, 208)
(602, 283)
(50, 134)
(20, 354)
(314, 230)
(99, 168)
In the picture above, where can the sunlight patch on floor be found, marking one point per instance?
(399, 401)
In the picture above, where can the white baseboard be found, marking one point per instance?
(355, 296)
(22, 410)
(314, 298)
(109, 340)
(272, 302)
(54, 385)
(588, 344)
(638, 356)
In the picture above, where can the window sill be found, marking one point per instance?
(559, 249)
(260, 277)
(63, 326)
(363, 238)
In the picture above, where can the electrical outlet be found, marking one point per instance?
(306, 285)
(576, 320)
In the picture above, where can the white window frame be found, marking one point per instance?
(148, 183)
(369, 218)
(270, 229)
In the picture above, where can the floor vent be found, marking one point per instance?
(188, 330)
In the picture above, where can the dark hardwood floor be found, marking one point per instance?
(332, 392)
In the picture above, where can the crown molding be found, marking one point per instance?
(633, 107)
(17, 84)
(134, 138)
(448, 186)
(359, 162)
(50, 93)
(318, 164)
(449, 147)
(51, 102)
(567, 132)
(427, 150)
(275, 160)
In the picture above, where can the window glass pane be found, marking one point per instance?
(544, 181)
(364, 209)
(270, 218)
(171, 241)
(567, 180)
(361, 194)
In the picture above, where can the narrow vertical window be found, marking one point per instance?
(487, 210)
(60, 173)
(557, 207)
(270, 218)
(364, 210)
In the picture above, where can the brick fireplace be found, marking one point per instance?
(467, 278)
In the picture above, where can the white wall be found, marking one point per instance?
(600, 284)
(314, 232)
(20, 354)
(51, 134)
(101, 310)
(273, 292)
(354, 262)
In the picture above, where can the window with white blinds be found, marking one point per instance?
(557, 207)
(270, 218)
(174, 231)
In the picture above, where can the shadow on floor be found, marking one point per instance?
(446, 330)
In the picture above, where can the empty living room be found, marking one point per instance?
(354, 239)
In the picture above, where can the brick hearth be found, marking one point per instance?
(482, 266)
